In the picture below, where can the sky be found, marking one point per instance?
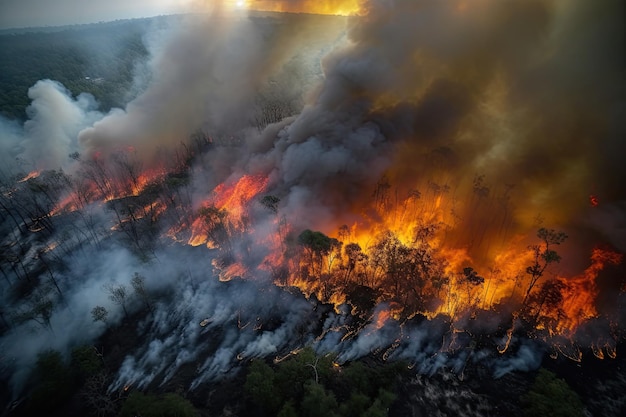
(25, 13)
(37, 13)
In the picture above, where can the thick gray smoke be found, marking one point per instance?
(206, 78)
(496, 83)
(519, 90)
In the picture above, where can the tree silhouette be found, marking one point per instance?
(543, 255)
(99, 313)
(118, 294)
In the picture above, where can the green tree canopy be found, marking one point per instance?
(550, 396)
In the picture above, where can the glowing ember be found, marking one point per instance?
(329, 7)
(225, 210)
(381, 318)
(31, 175)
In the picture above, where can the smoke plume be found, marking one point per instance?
(516, 102)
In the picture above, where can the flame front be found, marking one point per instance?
(227, 208)
(419, 180)
(327, 7)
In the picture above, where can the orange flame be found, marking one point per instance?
(580, 292)
(231, 201)
(327, 7)
(31, 175)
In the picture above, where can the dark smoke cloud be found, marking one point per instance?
(524, 91)
(496, 83)
(521, 91)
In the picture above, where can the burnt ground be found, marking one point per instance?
(471, 391)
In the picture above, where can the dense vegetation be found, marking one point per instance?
(306, 385)
(99, 59)
(302, 384)
(551, 396)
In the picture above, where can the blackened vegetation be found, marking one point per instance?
(301, 382)
(51, 219)
(45, 231)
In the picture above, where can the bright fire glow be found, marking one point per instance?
(228, 200)
(30, 175)
(328, 7)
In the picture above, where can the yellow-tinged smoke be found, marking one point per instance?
(330, 7)
(326, 7)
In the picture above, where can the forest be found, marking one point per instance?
(206, 226)
(97, 59)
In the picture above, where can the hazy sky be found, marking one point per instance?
(23, 13)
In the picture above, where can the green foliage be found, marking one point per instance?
(261, 387)
(380, 407)
(54, 383)
(551, 397)
(360, 378)
(86, 361)
(149, 405)
(271, 202)
(356, 405)
(309, 385)
(317, 242)
(288, 410)
(318, 401)
(294, 373)
(97, 59)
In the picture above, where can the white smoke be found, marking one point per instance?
(216, 325)
(526, 358)
(205, 77)
(49, 136)
(71, 323)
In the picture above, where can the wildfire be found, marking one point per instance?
(231, 271)
(421, 249)
(31, 175)
(327, 7)
(381, 318)
(227, 209)
(65, 205)
(418, 256)
(579, 293)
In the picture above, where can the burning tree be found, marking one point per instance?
(318, 247)
(549, 298)
(472, 281)
(216, 226)
(543, 255)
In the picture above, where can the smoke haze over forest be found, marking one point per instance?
(392, 181)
